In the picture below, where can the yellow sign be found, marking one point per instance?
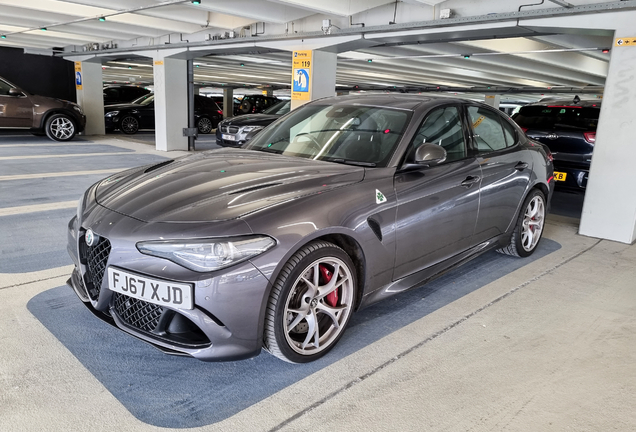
(478, 122)
(158, 62)
(626, 41)
(301, 75)
(78, 75)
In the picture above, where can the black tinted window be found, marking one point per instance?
(509, 132)
(489, 135)
(558, 117)
(443, 127)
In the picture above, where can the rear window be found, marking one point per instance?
(557, 117)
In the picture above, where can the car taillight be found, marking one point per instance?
(550, 155)
(220, 111)
(524, 129)
(590, 137)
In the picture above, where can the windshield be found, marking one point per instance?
(280, 108)
(145, 99)
(557, 117)
(342, 133)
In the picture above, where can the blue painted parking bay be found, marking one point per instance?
(179, 392)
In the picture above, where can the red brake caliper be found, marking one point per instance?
(332, 297)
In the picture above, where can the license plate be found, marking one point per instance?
(560, 176)
(228, 137)
(160, 292)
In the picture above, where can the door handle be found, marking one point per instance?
(521, 166)
(470, 180)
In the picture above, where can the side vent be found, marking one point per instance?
(375, 227)
(159, 165)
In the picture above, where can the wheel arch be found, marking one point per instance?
(54, 111)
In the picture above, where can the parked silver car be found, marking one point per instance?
(335, 206)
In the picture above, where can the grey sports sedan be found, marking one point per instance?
(339, 204)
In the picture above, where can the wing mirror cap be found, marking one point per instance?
(15, 92)
(429, 154)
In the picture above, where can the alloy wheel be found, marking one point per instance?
(318, 306)
(532, 225)
(205, 125)
(129, 125)
(62, 128)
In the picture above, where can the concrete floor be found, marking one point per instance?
(550, 346)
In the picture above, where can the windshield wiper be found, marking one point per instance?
(350, 162)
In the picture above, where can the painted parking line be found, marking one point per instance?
(59, 174)
(47, 145)
(63, 155)
(37, 208)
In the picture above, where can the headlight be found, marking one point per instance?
(112, 113)
(248, 129)
(208, 254)
(78, 109)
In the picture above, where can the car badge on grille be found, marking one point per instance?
(91, 238)
(552, 136)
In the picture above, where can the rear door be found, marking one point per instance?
(437, 206)
(505, 166)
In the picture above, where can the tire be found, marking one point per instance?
(129, 125)
(60, 127)
(529, 227)
(292, 302)
(204, 125)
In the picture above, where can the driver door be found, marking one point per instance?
(438, 205)
(16, 111)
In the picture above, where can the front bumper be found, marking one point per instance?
(237, 142)
(226, 322)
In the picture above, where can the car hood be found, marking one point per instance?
(219, 185)
(251, 120)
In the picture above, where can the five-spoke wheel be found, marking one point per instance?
(529, 227)
(60, 127)
(311, 303)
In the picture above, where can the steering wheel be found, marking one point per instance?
(313, 141)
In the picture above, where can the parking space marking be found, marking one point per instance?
(64, 155)
(48, 145)
(59, 174)
(37, 208)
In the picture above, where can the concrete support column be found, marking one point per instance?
(90, 95)
(171, 103)
(268, 92)
(319, 73)
(228, 102)
(493, 100)
(609, 209)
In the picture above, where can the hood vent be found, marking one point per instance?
(159, 165)
(254, 188)
(375, 227)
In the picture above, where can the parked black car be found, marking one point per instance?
(140, 114)
(123, 94)
(58, 119)
(219, 102)
(568, 128)
(236, 131)
(251, 104)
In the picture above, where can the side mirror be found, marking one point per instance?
(15, 92)
(429, 154)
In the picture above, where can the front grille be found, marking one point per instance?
(138, 313)
(96, 258)
(230, 129)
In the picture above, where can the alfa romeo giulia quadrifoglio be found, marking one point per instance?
(339, 204)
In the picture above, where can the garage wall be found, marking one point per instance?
(38, 74)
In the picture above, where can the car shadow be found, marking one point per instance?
(178, 392)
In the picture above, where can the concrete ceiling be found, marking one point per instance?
(539, 60)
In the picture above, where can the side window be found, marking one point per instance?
(509, 132)
(489, 135)
(443, 127)
(4, 88)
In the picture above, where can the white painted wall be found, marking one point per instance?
(171, 103)
(91, 98)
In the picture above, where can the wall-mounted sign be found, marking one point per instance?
(301, 75)
(158, 62)
(626, 41)
(78, 75)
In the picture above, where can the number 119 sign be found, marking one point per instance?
(301, 75)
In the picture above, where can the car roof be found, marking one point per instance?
(393, 100)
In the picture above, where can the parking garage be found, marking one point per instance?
(164, 120)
